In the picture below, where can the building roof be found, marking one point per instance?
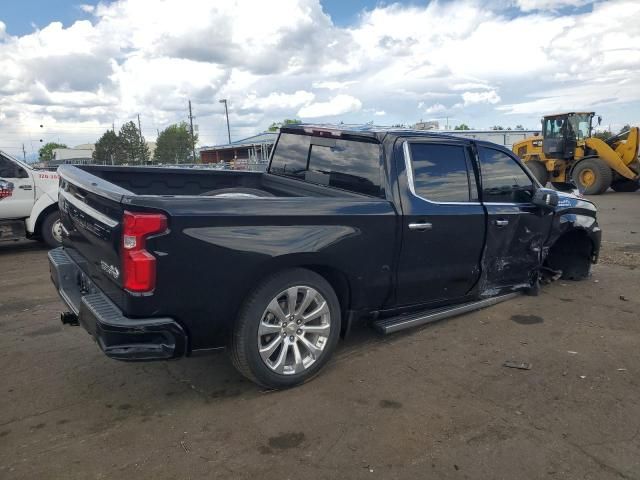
(261, 138)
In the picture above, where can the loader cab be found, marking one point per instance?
(562, 133)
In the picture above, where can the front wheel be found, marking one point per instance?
(287, 329)
(592, 176)
(51, 230)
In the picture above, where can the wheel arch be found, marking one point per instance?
(336, 277)
(37, 225)
(573, 252)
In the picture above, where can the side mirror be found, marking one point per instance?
(599, 120)
(545, 198)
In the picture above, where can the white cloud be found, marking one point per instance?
(435, 108)
(273, 60)
(332, 85)
(490, 96)
(338, 105)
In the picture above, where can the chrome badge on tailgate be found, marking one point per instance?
(110, 270)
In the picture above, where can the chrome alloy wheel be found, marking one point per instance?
(294, 330)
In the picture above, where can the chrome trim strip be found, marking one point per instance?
(409, 169)
(92, 212)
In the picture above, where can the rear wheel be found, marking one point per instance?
(592, 176)
(51, 230)
(287, 329)
(625, 185)
(539, 171)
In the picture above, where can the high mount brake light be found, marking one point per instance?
(138, 264)
(323, 133)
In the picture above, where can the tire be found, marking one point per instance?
(592, 176)
(237, 192)
(625, 185)
(268, 369)
(50, 231)
(539, 171)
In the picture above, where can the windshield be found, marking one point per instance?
(581, 125)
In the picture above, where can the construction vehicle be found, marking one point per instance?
(567, 151)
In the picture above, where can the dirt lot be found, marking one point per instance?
(434, 402)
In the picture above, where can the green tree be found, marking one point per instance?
(46, 151)
(134, 148)
(604, 135)
(275, 126)
(462, 126)
(174, 144)
(497, 127)
(519, 127)
(108, 150)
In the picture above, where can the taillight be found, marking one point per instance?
(138, 265)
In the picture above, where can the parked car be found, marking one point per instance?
(400, 227)
(28, 202)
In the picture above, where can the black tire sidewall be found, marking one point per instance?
(251, 315)
(603, 176)
(539, 171)
(45, 230)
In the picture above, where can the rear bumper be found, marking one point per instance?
(119, 337)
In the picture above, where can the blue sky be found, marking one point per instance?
(478, 62)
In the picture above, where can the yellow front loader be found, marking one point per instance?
(566, 150)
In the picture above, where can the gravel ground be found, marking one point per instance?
(433, 402)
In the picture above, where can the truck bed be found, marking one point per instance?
(169, 181)
(220, 244)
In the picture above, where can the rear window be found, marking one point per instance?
(347, 164)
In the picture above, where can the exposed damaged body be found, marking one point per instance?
(399, 227)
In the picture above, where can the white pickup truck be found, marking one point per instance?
(28, 202)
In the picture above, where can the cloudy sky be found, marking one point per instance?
(75, 68)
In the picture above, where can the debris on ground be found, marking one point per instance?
(623, 298)
(518, 365)
(582, 376)
(572, 352)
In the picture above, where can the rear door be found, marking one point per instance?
(443, 224)
(17, 193)
(516, 229)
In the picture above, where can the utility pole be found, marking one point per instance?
(226, 112)
(193, 143)
(142, 158)
(24, 153)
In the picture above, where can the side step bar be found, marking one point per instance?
(395, 324)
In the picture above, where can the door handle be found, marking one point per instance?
(420, 226)
(25, 187)
(501, 223)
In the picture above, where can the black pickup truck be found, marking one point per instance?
(396, 226)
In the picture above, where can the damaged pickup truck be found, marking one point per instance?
(398, 227)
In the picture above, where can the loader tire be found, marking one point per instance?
(539, 171)
(625, 185)
(592, 176)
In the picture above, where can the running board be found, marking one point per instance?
(395, 324)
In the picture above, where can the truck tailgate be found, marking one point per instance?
(91, 212)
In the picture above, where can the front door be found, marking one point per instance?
(16, 190)
(443, 222)
(516, 229)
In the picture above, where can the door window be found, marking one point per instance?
(440, 173)
(503, 180)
